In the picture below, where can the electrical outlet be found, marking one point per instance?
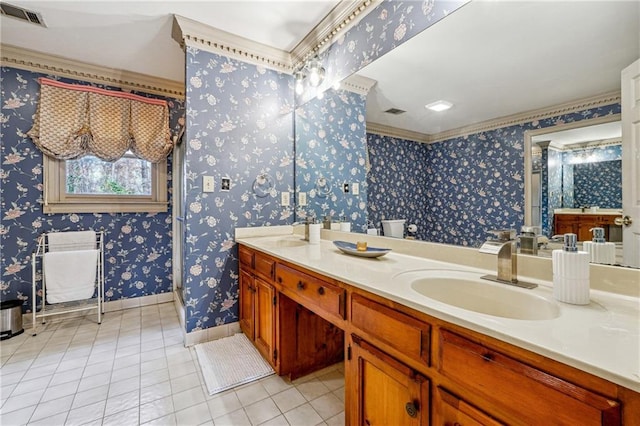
(284, 198)
(225, 184)
(208, 184)
(355, 188)
(345, 187)
(302, 199)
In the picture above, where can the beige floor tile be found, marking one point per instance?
(156, 409)
(312, 389)
(237, 418)
(251, 393)
(275, 384)
(303, 415)
(289, 399)
(224, 404)
(276, 421)
(328, 405)
(262, 411)
(188, 398)
(194, 415)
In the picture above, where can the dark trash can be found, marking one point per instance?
(10, 319)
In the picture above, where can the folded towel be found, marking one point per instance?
(72, 240)
(70, 275)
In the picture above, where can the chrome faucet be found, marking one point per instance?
(504, 245)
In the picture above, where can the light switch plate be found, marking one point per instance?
(208, 184)
(355, 188)
(302, 199)
(284, 198)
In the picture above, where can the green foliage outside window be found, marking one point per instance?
(126, 176)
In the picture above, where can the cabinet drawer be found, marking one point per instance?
(451, 410)
(264, 265)
(395, 329)
(245, 255)
(529, 395)
(325, 296)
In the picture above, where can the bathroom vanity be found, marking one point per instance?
(410, 359)
(581, 223)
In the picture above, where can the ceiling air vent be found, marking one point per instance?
(395, 111)
(22, 14)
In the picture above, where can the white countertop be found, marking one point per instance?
(602, 338)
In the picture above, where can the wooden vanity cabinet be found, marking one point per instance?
(581, 224)
(258, 302)
(386, 391)
(404, 367)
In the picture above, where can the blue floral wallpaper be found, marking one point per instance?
(240, 126)
(331, 144)
(138, 246)
(473, 183)
(598, 184)
(397, 181)
(554, 187)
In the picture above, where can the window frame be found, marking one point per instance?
(56, 199)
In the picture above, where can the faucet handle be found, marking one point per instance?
(504, 234)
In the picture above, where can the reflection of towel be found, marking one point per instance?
(73, 240)
(70, 275)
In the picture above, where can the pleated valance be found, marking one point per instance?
(74, 120)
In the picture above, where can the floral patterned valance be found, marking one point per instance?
(75, 120)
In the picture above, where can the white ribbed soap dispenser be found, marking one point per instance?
(600, 251)
(571, 273)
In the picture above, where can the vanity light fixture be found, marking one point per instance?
(316, 71)
(299, 77)
(439, 106)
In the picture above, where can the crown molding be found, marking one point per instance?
(589, 144)
(341, 19)
(357, 84)
(31, 60)
(528, 116)
(394, 132)
(344, 16)
(497, 123)
(188, 32)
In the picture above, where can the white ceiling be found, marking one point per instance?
(136, 35)
(492, 59)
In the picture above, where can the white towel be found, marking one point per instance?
(70, 275)
(71, 240)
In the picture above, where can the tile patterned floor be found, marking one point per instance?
(133, 369)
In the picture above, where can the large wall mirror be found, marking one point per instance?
(506, 68)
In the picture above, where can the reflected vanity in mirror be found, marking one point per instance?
(574, 173)
(463, 171)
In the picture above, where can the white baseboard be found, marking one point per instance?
(110, 306)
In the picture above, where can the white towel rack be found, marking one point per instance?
(92, 303)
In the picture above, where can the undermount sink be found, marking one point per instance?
(281, 243)
(467, 291)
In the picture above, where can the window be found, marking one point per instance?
(91, 185)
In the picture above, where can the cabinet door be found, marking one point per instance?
(264, 318)
(247, 290)
(386, 392)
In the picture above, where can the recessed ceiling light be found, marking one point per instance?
(439, 106)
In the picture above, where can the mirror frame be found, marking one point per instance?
(528, 135)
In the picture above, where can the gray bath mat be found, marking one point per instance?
(230, 362)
